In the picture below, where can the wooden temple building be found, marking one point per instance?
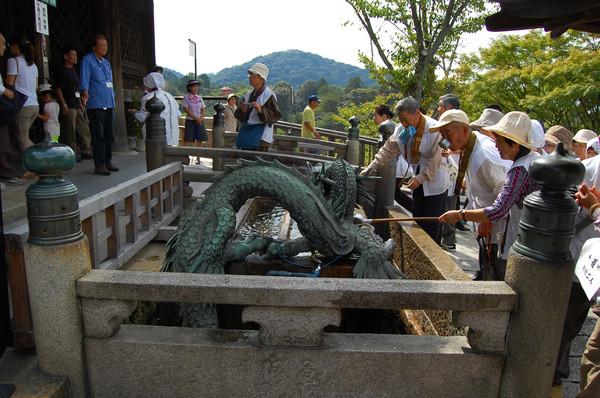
(127, 24)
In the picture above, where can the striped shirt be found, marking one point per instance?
(517, 185)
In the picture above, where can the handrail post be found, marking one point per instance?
(57, 254)
(218, 132)
(155, 134)
(540, 268)
(352, 144)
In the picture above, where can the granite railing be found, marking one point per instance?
(290, 352)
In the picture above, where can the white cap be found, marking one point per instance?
(260, 69)
(451, 115)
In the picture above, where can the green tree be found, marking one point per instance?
(284, 90)
(421, 33)
(364, 112)
(354, 83)
(554, 80)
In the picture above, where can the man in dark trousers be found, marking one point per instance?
(74, 129)
(96, 87)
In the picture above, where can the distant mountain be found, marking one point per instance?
(295, 67)
(171, 74)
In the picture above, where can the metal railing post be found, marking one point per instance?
(156, 139)
(57, 254)
(218, 132)
(539, 269)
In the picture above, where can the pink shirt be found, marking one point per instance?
(194, 103)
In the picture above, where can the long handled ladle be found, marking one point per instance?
(382, 220)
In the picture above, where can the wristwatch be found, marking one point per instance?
(462, 215)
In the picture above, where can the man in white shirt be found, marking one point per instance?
(483, 168)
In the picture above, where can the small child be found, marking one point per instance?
(50, 113)
(194, 106)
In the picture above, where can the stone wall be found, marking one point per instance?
(419, 257)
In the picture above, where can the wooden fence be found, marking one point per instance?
(120, 221)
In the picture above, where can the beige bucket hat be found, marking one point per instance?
(488, 117)
(561, 134)
(584, 135)
(260, 69)
(516, 126)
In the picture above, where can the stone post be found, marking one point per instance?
(57, 254)
(385, 197)
(156, 140)
(218, 132)
(540, 268)
(352, 145)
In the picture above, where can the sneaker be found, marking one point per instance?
(111, 167)
(102, 170)
(448, 248)
(13, 181)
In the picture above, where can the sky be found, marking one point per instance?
(231, 32)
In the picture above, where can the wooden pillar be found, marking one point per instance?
(108, 23)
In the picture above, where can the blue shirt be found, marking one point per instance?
(96, 78)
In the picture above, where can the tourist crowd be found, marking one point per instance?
(488, 161)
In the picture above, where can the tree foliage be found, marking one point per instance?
(554, 80)
(364, 112)
(420, 33)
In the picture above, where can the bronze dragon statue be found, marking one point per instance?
(322, 203)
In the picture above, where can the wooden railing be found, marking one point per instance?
(120, 221)
(367, 145)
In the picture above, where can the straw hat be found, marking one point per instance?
(584, 135)
(260, 69)
(516, 126)
(562, 134)
(451, 115)
(488, 117)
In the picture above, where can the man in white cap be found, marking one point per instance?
(580, 141)
(257, 112)
(513, 140)
(482, 166)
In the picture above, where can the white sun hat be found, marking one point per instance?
(516, 126)
(537, 134)
(260, 69)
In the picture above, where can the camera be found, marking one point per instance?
(444, 144)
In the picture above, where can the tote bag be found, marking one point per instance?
(249, 136)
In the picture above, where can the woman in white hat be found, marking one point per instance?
(513, 140)
(592, 148)
(155, 84)
(257, 112)
(230, 107)
(580, 141)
